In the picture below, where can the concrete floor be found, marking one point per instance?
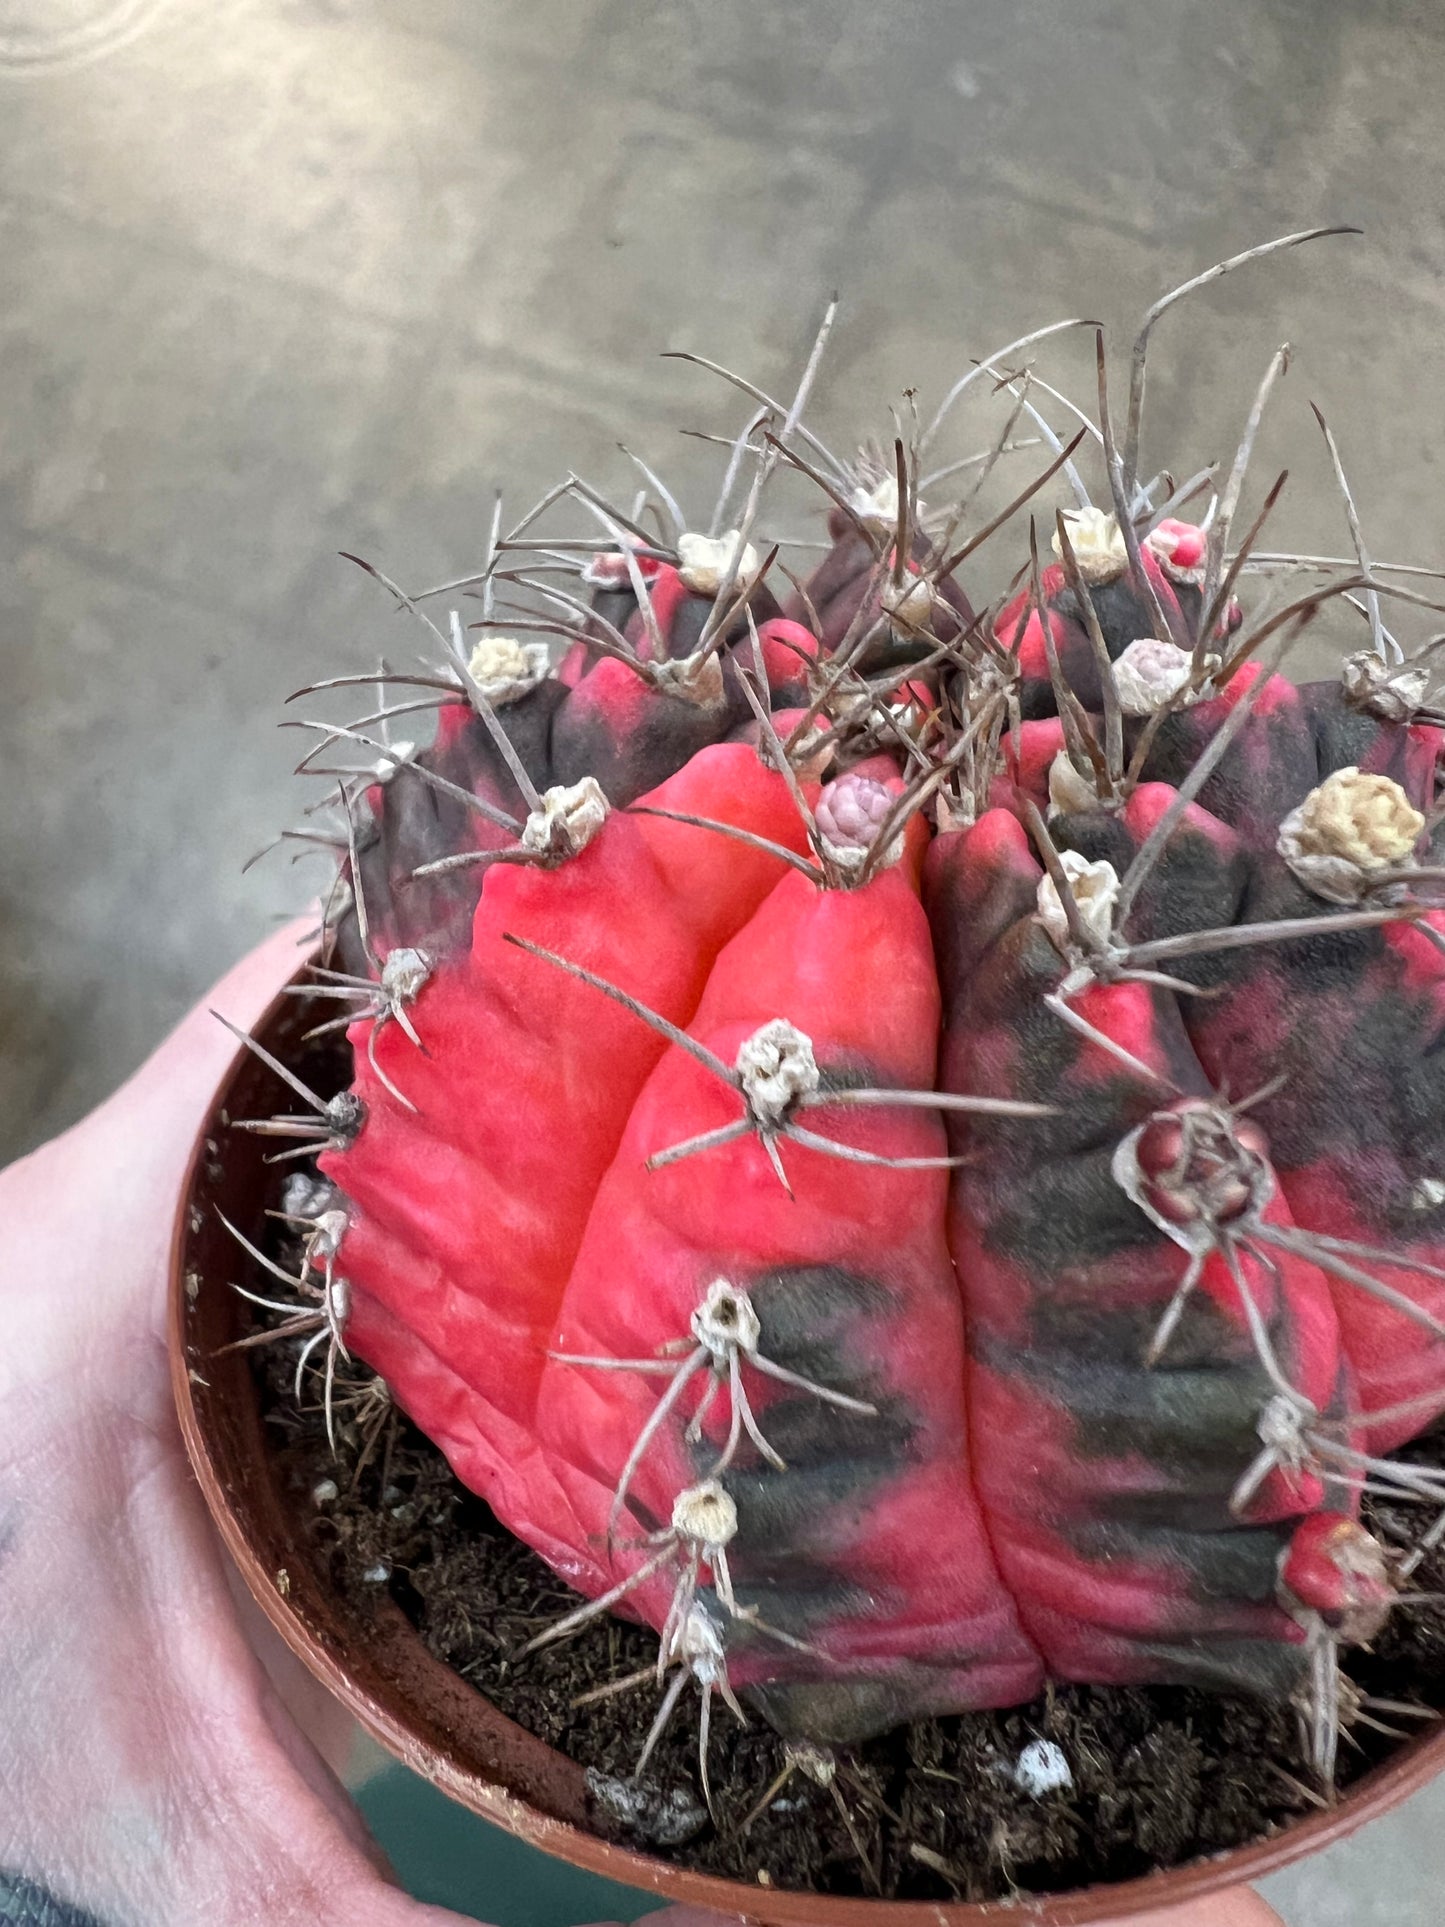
(293, 276)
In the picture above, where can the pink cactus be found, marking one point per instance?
(906, 1151)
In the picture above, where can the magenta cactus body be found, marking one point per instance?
(909, 1152)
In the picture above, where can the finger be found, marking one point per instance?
(1239, 1907)
(692, 1917)
(155, 1114)
(177, 1080)
(387, 1908)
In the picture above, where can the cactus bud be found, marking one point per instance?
(1098, 545)
(850, 813)
(1179, 548)
(1383, 690)
(877, 507)
(704, 561)
(504, 669)
(1196, 1163)
(909, 603)
(608, 569)
(1150, 674)
(1095, 890)
(570, 816)
(1069, 789)
(1347, 829)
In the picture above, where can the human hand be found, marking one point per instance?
(149, 1772)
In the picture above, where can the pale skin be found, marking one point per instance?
(150, 1773)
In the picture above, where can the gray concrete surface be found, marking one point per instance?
(291, 276)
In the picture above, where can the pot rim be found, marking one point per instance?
(471, 1751)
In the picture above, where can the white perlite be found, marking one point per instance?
(665, 1817)
(703, 561)
(1097, 542)
(776, 1065)
(1382, 689)
(504, 668)
(1347, 830)
(1149, 674)
(1041, 1769)
(1095, 890)
(305, 1196)
(570, 816)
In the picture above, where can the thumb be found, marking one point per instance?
(129, 1157)
(174, 1085)
(1239, 1907)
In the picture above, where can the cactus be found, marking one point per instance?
(903, 1148)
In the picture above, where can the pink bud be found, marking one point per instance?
(1198, 1163)
(608, 569)
(850, 812)
(1179, 546)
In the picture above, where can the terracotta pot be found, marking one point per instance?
(430, 1718)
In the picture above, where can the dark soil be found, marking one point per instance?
(929, 1811)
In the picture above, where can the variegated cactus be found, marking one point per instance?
(904, 1148)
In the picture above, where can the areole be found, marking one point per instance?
(432, 1720)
